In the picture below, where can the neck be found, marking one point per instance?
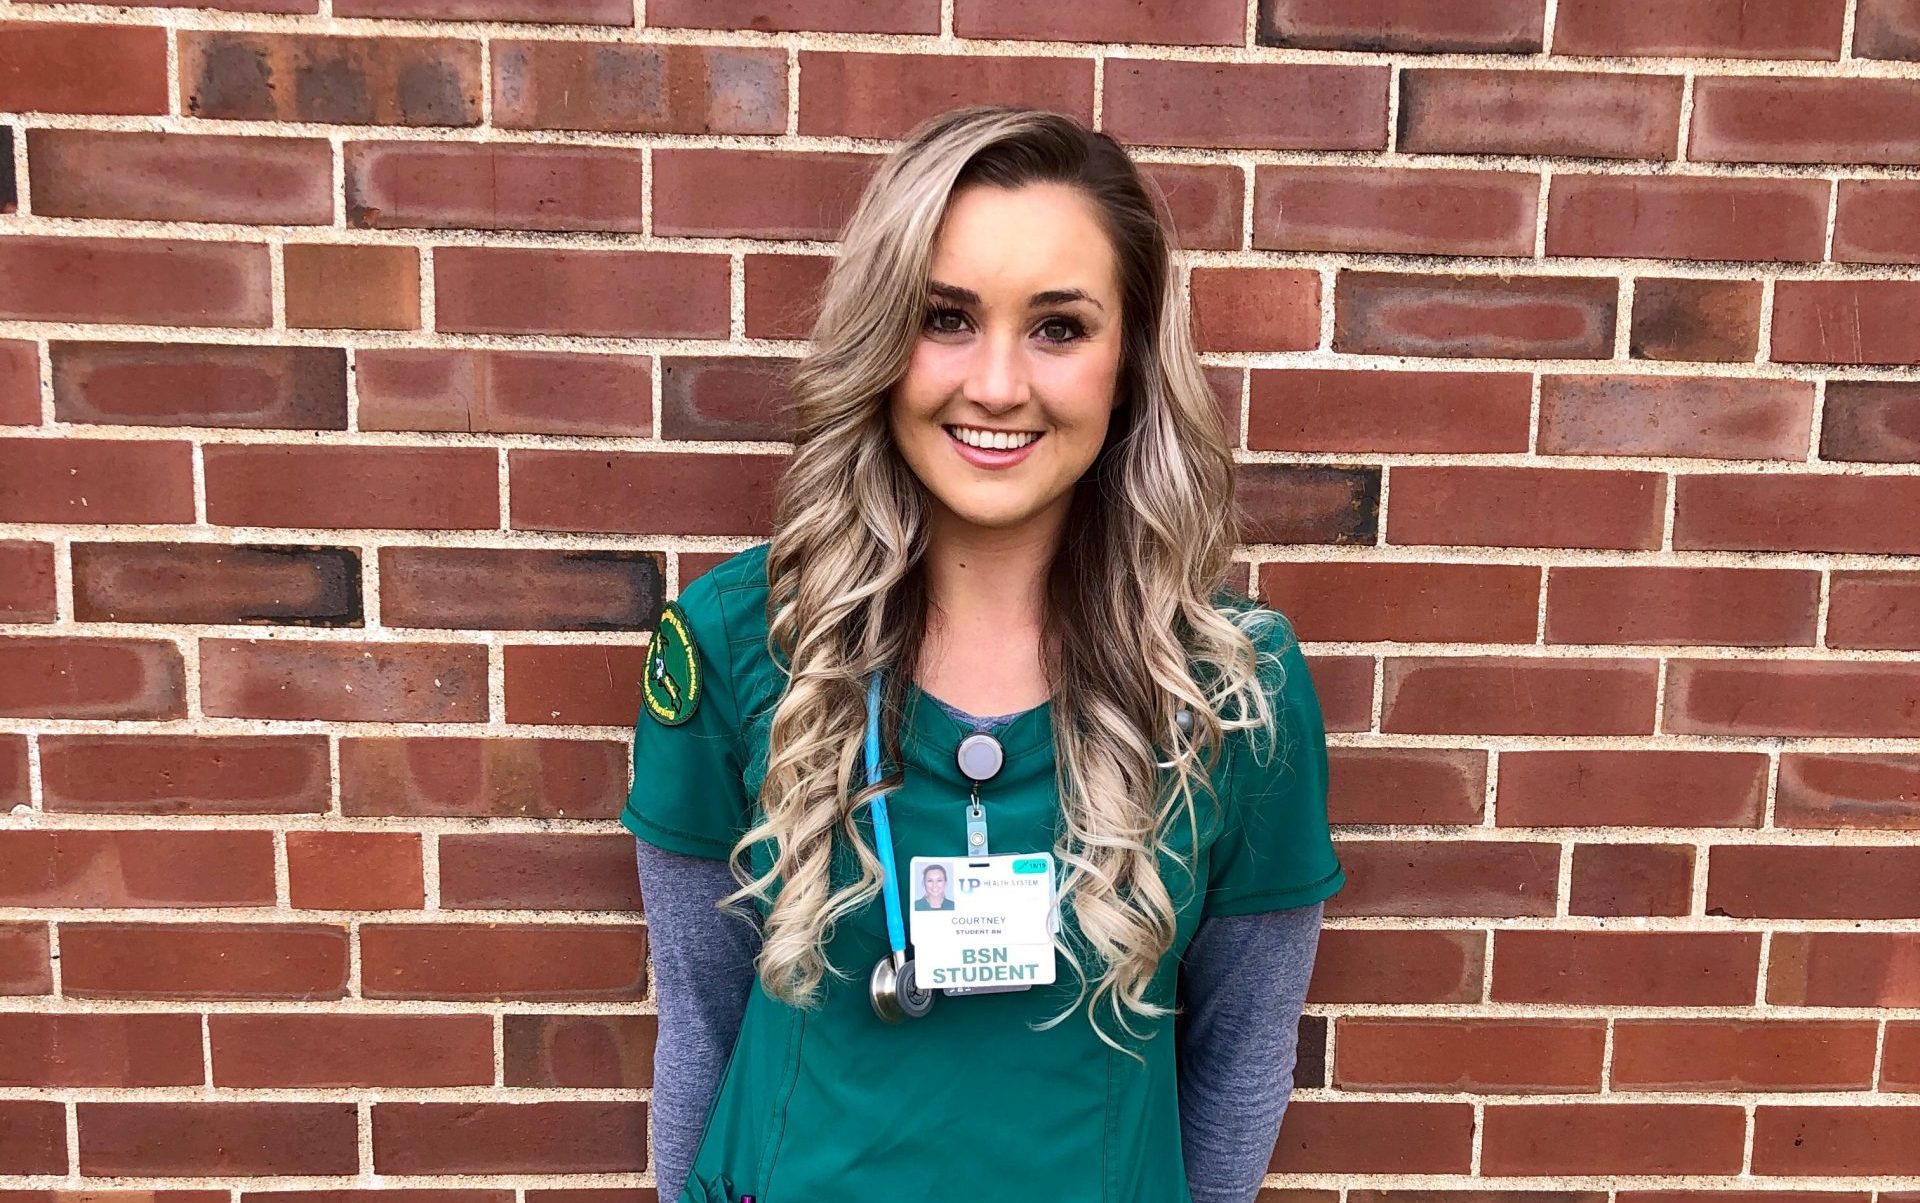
(980, 578)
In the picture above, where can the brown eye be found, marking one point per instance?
(935, 313)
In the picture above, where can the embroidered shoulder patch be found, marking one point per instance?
(672, 685)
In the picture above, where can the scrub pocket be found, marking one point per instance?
(701, 1190)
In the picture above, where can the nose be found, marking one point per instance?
(996, 378)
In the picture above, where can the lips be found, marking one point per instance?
(981, 458)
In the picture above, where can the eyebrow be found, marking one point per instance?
(1050, 296)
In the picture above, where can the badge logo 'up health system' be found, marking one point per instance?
(671, 687)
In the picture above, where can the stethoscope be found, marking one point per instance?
(895, 994)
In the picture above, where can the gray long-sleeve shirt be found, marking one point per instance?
(1243, 984)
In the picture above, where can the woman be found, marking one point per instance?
(1008, 512)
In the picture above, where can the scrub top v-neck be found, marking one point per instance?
(971, 1100)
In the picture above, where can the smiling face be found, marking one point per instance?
(1006, 399)
(934, 881)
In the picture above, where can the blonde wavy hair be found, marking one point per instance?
(1152, 526)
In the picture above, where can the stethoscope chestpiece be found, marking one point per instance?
(895, 994)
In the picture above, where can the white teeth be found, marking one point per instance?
(991, 440)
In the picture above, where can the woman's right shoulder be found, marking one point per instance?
(727, 607)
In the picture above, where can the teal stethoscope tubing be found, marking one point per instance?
(882, 830)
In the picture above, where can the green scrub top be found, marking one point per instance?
(970, 1101)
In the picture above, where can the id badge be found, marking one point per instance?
(983, 923)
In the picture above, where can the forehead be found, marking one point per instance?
(1008, 244)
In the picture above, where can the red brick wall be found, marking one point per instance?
(371, 371)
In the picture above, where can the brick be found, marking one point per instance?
(1697, 320)
(13, 772)
(1263, 106)
(1349, 410)
(1495, 1056)
(1736, 1054)
(1799, 697)
(390, 488)
(568, 1137)
(64, 677)
(544, 12)
(1844, 969)
(146, 281)
(387, 1195)
(643, 493)
(204, 961)
(1512, 317)
(1700, 28)
(1846, 321)
(200, 384)
(1761, 881)
(633, 88)
(1499, 506)
(1707, 418)
(1203, 201)
(1877, 221)
(483, 778)
(179, 177)
(1772, 119)
(184, 774)
(339, 287)
(523, 589)
(216, 583)
(1206, 23)
(242, 76)
(1449, 878)
(1874, 610)
(725, 397)
(703, 193)
(349, 1050)
(471, 185)
(1613, 1138)
(1797, 513)
(1308, 503)
(1736, 607)
(9, 185)
(19, 383)
(1345, 1137)
(1626, 968)
(1425, 786)
(193, 1139)
(1394, 210)
(1901, 1070)
(1255, 309)
(617, 294)
(1687, 217)
(854, 95)
(1378, 965)
(538, 871)
(783, 294)
(78, 868)
(33, 1137)
(1833, 1140)
(1455, 695)
(831, 16)
(1345, 684)
(579, 1051)
(1874, 421)
(1486, 111)
(1631, 879)
(106, 1050)
(344, 682)
(1466, 26)
(536, 962)
(1887, 29)
(1606, 787)
(25, 966)
(26, 582)
(1348, 601)
(505, 392)
(1836, 791)
(51, 68)
(574, 684)
(355, 870)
